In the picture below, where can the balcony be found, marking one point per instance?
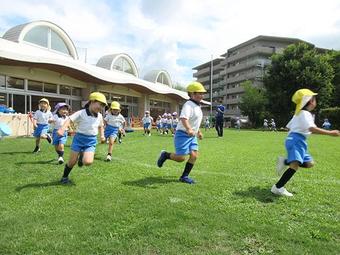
(235, 90)
(247, 65)
(233, 100)
(245, 76)
(204, 71)
(252, 51)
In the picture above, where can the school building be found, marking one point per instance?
(39, 59)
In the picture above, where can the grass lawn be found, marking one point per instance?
(129, 206)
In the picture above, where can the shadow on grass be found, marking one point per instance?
(37, 162)
(263, 195)
(42, 185)
(151, 182)
(16, 152)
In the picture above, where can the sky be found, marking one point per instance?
(177, 35)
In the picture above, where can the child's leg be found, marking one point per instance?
(88, 158)
(37, 141)
(111, 142)
(70, 164)
(288, 174)
(307, 164)
(190, 163)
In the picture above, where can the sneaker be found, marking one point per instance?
(281, 191)
(108, 158)
(64, 180)
(149, 134)
(80, 159)
(119, 141)
(280, 165)
(60, 160)
(37, 149)
(186, 179)
(48, 138)
(161, 159)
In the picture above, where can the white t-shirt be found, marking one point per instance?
(164, 120)
(147, 120)
(301, 123)
(168, 121)
(115, 120)
(193, 113)
(58, 121)
(175, 121)
(86, 123)
(42, 117)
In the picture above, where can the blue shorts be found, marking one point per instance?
(174, 126)
(184, 144)
(84, 143)
(296, 147)
(111, 131)
(168, 126)
(159, 126)
(41, 129)
(147, 125)
(59, 139)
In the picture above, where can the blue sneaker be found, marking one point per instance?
(161, 159)
(186, 179)
(64, 180)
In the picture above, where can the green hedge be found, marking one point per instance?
(333, 115)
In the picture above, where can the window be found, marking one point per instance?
(47, 38)
(35, 86)
(58, 44)
(3, 99)
(77, 92)
(50, 88)
(65, 90)
(15, 83)
(38, 35)
(121, 64)
(19, 103)
(163, 79)
(76, 105)
(2, 81)
(129, 99)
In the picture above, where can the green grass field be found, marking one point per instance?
(129, 206)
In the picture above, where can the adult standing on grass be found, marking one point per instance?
(187, 132)
(88, 121)
(300, 127)
(219, 120)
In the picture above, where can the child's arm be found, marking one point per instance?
(199, 135)
(66, 124)
(187, 126)
(101, 133)
(34, 121)
(321, 131)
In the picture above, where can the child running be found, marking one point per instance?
(41, 119)
(88, 121)
(174, 123)
(114, 122)
(187, 132)
(300, 127)
(147, 123)
(60, 115)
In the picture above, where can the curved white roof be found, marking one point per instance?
(27, 55)
(153, 75)
(108, 62)
(17, 34)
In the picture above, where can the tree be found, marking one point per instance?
(253, 103)
(299, 66)
(178, 86)
(335, 62)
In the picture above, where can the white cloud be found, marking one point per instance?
(156, 34)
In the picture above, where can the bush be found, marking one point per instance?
(333, 115)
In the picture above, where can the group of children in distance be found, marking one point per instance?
(167, 122)
(89, 122)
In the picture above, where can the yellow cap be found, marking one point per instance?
(196, 87)
(44, 100)
(301, 97)
(115, 105)
(97, 96)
